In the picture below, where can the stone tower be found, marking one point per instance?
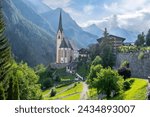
(59, 38)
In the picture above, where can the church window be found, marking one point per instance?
(59, 37)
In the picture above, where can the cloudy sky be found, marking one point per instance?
(131, 14)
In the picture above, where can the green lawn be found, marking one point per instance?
(137, 91)
(59, 88)
(71, 91)
(45, 92)
(66, 92)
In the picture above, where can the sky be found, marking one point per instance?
(130, 14)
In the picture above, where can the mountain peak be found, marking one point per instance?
(94, 29)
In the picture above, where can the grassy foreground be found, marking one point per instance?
(138, 91)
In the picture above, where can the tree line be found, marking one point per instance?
(17, 80)
(143, 40)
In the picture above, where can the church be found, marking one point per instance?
(65, 52)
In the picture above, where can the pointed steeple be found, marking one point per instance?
(60, 23)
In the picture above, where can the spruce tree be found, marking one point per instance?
(5, 52)
(106, 51)
(140, 40)
(10, 89)
(148, 38)
(2, 93)
(16, 89)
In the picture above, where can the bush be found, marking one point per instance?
(53, 93)
(75, 84)
(125, 72)
(47, 83)
(141, 56)
(58, 79)
(126, 85)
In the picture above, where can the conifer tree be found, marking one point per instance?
(140, 40)
(148, 38)
(106, 51)
(5, 52)
(10, 89)
(2, 93)
(16, 89)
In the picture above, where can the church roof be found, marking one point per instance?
(69, 45)
(60, 23)
(63, 44)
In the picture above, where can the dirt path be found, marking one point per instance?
(83, 95)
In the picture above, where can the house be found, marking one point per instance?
(83, 53)
(116, 41)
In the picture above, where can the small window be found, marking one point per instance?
(59, 37)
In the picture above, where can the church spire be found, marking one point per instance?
(60, 23)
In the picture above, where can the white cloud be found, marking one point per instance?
(131, 14)
(126, 6)
(88, 9)
(113, 7)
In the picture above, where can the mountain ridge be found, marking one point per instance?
(19, 31)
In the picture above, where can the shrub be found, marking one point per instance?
(53, 93)
(75, 84)
(125, 72)
(126, 85)
(141, 55)
(48, 82)
(58, 79)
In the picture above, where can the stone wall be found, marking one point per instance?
(139, 67)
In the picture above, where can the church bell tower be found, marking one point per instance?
(59, 38)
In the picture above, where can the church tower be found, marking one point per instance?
(59, 39)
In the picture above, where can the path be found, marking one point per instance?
(83, 95)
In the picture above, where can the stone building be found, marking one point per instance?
(65, 53)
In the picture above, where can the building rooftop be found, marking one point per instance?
(111, 37)
(63, 44)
